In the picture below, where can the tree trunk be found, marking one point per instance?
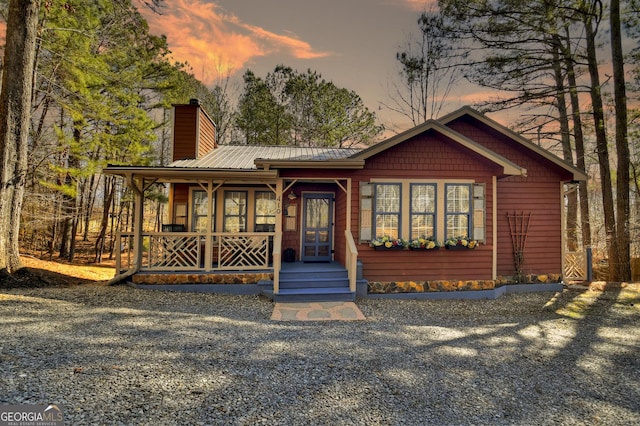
(15, 113)
(578, 136)
(602, 148)
(567, 152)
(623, 260)
(109, 188)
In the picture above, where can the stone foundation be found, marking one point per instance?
(231, 278)
(377, 287)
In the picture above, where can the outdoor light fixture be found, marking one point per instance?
(292, 196)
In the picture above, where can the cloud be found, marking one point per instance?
(216, 43)
(418, 5)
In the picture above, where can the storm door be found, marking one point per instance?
(317, 235)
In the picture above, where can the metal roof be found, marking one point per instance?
(243, 157)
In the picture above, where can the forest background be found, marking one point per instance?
(85, 84)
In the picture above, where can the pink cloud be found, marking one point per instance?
(215, 42)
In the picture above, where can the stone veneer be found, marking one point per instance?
(452, 285)
(231, 278)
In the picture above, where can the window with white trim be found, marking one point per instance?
(387, 210)
(423, 210)
(415, 209)
(458, 210)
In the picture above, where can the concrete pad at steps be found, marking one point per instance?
(317, 311)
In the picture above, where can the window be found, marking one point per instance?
(411, 210)
(458, 210)
(387, 210)
(423, 210)
(199, 208)
(235, 211)
(265, 211)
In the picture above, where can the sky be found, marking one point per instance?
(352, 43)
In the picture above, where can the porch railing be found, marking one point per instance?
(187, 251)
(351, 260)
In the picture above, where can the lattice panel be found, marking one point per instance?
(244, 252)
(575, 266)
(175, 252)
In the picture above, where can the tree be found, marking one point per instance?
(15, 106)
(289, 107)
(623, 254)
(428, 68)
(260, 117)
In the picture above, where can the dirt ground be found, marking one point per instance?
(48, 273)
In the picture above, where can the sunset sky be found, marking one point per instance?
(350, 42)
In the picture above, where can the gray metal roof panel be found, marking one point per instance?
(242, 157)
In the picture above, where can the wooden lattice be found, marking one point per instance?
(244, 252)
(174, 251)
(575, 266)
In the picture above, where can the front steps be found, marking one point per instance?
(312, 282)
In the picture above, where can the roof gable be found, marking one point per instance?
(508, 166)
(466, 111)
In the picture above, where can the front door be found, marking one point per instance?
(317, 235)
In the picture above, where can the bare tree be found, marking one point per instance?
(427, 69)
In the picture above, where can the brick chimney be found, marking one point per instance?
(194, 133)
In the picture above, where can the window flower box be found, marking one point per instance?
(424, 244)
(388, 243)
(460, 243)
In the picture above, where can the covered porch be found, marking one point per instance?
(211, 239)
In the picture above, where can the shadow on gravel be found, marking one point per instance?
(159, 357)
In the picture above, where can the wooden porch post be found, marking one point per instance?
(494, 233)
(208, 244)
(277, 246)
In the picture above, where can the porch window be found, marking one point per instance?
(387, 209)
(423, 210)
(265, 210)
(458, 210)
(235, 211)
(199, 207)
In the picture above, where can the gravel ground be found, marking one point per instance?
(117, 355)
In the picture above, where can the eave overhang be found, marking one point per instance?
(267, 164)
(188, 174)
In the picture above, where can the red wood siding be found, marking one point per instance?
(428, 156)
(538, 193)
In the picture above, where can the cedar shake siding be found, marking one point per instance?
(427, 156)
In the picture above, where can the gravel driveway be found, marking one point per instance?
(117, 355)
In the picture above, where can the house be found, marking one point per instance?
(256, 214)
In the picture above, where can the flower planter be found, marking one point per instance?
(459, 248)
(388, 248)
(423, 249)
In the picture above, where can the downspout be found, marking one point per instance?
(137, 243)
